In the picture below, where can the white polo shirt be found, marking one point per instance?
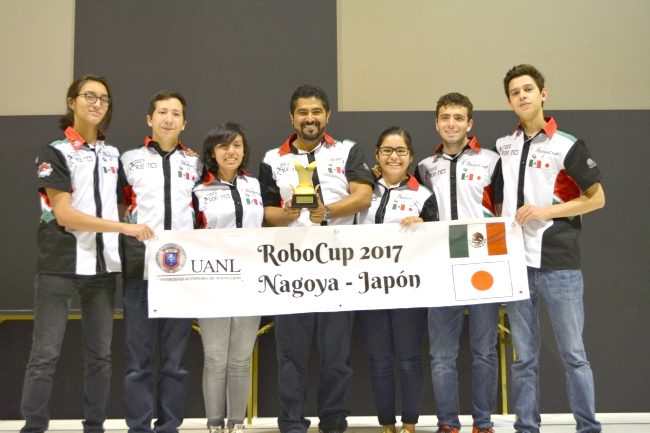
(462, 183)
(391, 205)
(89, 174)
(157, 192)
(338, 163)
(552, 167)
(222, 204)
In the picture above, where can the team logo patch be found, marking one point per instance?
(171, 258)
(477, 240)
(44, 170)
(282, 168)
(591, 163)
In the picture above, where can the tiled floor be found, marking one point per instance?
(552, 423)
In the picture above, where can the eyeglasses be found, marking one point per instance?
(91, 98)
(388, 151)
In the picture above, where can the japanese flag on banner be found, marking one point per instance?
(477, 240)
(488, 280)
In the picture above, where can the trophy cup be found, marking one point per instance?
(304, 195)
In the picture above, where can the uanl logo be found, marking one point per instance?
(171, 258)
(477, 240)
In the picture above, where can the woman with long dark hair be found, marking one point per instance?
(78, 252)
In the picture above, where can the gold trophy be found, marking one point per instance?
(304, 195)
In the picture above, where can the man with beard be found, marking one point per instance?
(344, 184)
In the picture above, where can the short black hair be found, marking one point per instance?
(309, 91)
(164, 95)
(455, 98)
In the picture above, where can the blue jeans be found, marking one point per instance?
(562, 293)
(445, 327)
(54, 295)
(140, 335)
(390, 335)
(293, 337)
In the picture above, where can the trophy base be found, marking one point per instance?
(304, 201)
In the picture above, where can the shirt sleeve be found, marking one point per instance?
(430, 209)
(417, 175)
(580, 166)
(497, 183)
(121, 183)
(201, 221)
(356, 168)
(268, 187)
(52, 171)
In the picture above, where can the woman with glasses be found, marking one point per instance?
(396, 334)
(227, 197)
(78, 252)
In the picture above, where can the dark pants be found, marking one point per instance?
(294, 335)
(395, 335)
(54, 295)
(140, 334)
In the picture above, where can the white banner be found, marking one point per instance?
(269, 271)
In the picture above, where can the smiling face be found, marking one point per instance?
(526, 98)
(229, 158)
(167, 122)
(393, 166)
(453, 124)
(84, 113)
(309, 119)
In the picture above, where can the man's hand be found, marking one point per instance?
(141, 232)
(528, 212)
(290, 213)
(376, 171)
(317, 214)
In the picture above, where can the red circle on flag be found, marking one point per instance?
(482, 280)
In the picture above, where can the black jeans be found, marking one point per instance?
(294, 334)
(53, 298)
(140, 335)
(392, 335)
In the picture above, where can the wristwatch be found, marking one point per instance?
(327, 216)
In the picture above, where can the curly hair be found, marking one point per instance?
(518, 71)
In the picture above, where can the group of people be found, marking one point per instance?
(541, 176)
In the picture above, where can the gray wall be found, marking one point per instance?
(241, 61)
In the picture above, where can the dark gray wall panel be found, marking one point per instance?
(235, 61)
(20, 139)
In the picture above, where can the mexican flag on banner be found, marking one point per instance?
(477, 240)
(478, 276)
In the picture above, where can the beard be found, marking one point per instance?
(318, 133)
